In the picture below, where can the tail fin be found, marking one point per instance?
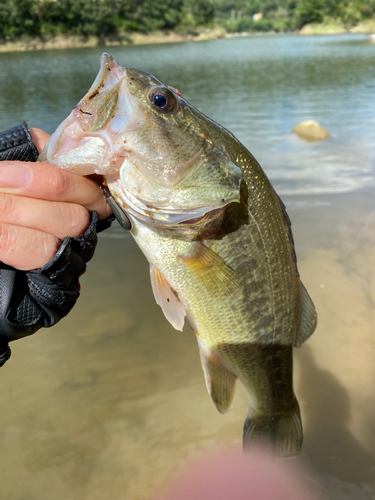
(279, 435)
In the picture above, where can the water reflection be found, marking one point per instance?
(258, 87)
(108, 402)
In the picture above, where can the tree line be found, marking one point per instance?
(289, 15)
(116, 18)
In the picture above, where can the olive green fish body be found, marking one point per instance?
(216, 235)
(249, 329)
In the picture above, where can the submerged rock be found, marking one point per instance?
(310, 130)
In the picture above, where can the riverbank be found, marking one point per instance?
(331, 27)
(156, 37)
(70, 41)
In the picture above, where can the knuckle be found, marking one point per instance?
(50, 245)
(78, 219)
(104, 210)
(6, 206)
(24, 248)
(59, 184)
(7, 245)
(3, 239)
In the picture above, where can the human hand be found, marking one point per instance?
(41, 204)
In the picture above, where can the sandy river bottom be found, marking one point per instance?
(110, 401)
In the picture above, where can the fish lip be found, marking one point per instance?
(109, 75)
(105, 59)
(107, 63)
(53, 143)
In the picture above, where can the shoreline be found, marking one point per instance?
(158, 37)
(75, 42)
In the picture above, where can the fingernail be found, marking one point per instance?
(15, 176)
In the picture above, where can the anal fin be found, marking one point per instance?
(219, 381)
(308, 318)
(167, 298)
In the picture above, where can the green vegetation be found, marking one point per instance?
(291, 15)
(118, 18)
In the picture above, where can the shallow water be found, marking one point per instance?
(107, 403)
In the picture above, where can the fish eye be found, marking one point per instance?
(162, 99)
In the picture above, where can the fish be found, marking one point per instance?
(216, 235)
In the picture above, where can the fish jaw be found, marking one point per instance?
(197, 221)
(91, 139)
(195, 201)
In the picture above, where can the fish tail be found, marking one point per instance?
(279, 435)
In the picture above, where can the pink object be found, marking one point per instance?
(233, 476)
(175, 90)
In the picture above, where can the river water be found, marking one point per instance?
(107, 403)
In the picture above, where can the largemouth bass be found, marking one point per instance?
(215, 232)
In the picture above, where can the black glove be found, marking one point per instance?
(30, 300)
(16, 144)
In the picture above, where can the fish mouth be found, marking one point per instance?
(109, 73)
(84, 142)
(106, 104)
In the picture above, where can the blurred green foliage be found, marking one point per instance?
(106, 18)
(87, 17)
(288, 15)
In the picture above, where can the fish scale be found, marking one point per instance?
(214, 231)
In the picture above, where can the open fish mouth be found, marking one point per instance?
(105, 104)
(109, 74)
(89, 141)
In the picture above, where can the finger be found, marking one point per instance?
(58, 219)
(25, 248)
(47, 182)
(39, 138)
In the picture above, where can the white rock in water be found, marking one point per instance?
(310, 130)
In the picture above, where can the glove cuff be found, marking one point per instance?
(16, 144)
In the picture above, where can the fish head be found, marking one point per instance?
(153, 148)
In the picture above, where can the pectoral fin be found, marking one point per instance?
(217, 278)
(308, 318)
(220, 383)
(167, 298)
